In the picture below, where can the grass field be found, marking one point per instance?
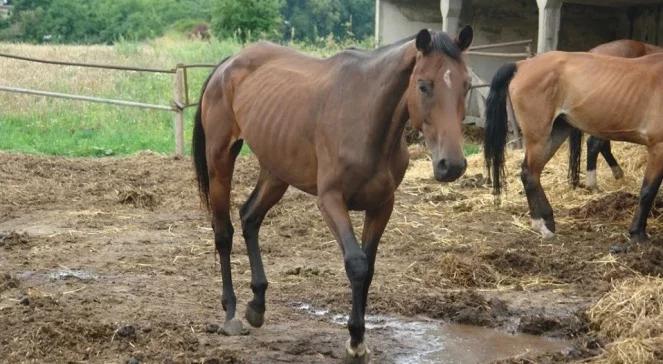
(33, 124)
(38, 125)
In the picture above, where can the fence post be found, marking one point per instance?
(179, 99)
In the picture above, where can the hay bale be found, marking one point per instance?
(632, 315)
(633, 350)
(633, 309)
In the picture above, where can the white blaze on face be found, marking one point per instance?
(447, 78)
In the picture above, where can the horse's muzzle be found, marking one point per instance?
(447, 171)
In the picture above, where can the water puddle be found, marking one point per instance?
(426, 341)
(65, 274)
(58, 275)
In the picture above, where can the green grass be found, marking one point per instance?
(31, 124)
(470, 149)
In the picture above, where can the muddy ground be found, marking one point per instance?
(112, 260)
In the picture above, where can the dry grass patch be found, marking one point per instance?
(631, 315)
(452, 270)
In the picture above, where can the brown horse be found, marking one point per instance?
(625, 48)
(333, 128)
(556, 93)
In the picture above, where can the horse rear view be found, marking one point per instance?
(556, 94)
(333, 128)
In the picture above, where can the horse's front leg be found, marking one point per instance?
(335, 212)
(650, 186)
(374, 224)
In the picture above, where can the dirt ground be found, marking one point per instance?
(112, 260)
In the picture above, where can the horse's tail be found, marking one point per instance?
(494, 142)
(575, 148)
(198, 148)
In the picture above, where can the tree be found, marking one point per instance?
(247, 19)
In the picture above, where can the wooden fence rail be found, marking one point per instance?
(180, 91)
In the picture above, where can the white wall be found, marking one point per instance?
(392, 25)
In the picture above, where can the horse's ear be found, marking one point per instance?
(464, 38)
(424, 41)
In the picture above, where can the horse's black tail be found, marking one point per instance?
(198, 147)
(494, 142)
(575, 148)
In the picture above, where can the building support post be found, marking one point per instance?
(550, 12)
(378, 22)
(450, 15)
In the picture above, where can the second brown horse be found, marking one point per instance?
(333, 128)
(556, 94)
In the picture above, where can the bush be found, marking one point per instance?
(247, 19)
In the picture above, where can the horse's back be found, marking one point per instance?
(598, 94)
(626, 48)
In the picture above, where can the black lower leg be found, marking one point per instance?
(223, 234)
(593, 150)
(648, 193)
(536, 198)
(357, 269)
(607, 154)
(256, 309)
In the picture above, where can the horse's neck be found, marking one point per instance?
(393, 70)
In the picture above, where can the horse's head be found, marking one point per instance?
(436, 98)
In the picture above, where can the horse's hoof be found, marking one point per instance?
(540, 225)
(234, 327)
(619, 249)
(639, 239)
(617, 172)
(358, 355)
(253, 316)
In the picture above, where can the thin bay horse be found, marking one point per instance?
(334, 129)
(625, 48)
(555, 94)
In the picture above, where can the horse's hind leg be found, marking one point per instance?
(594, 146)
(612, 162)
(221, 161)
(650, 186)
(538, 153)
(267, 193)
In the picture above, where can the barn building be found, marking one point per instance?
(571, 25)
(509, 30)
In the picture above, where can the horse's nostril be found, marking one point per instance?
(447, 172)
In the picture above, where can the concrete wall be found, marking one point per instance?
(395, 21)
(586, 26)
(647, 24)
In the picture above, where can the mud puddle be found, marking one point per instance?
(428, 341)
(62, 274)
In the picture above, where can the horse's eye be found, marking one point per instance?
(426, 87)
